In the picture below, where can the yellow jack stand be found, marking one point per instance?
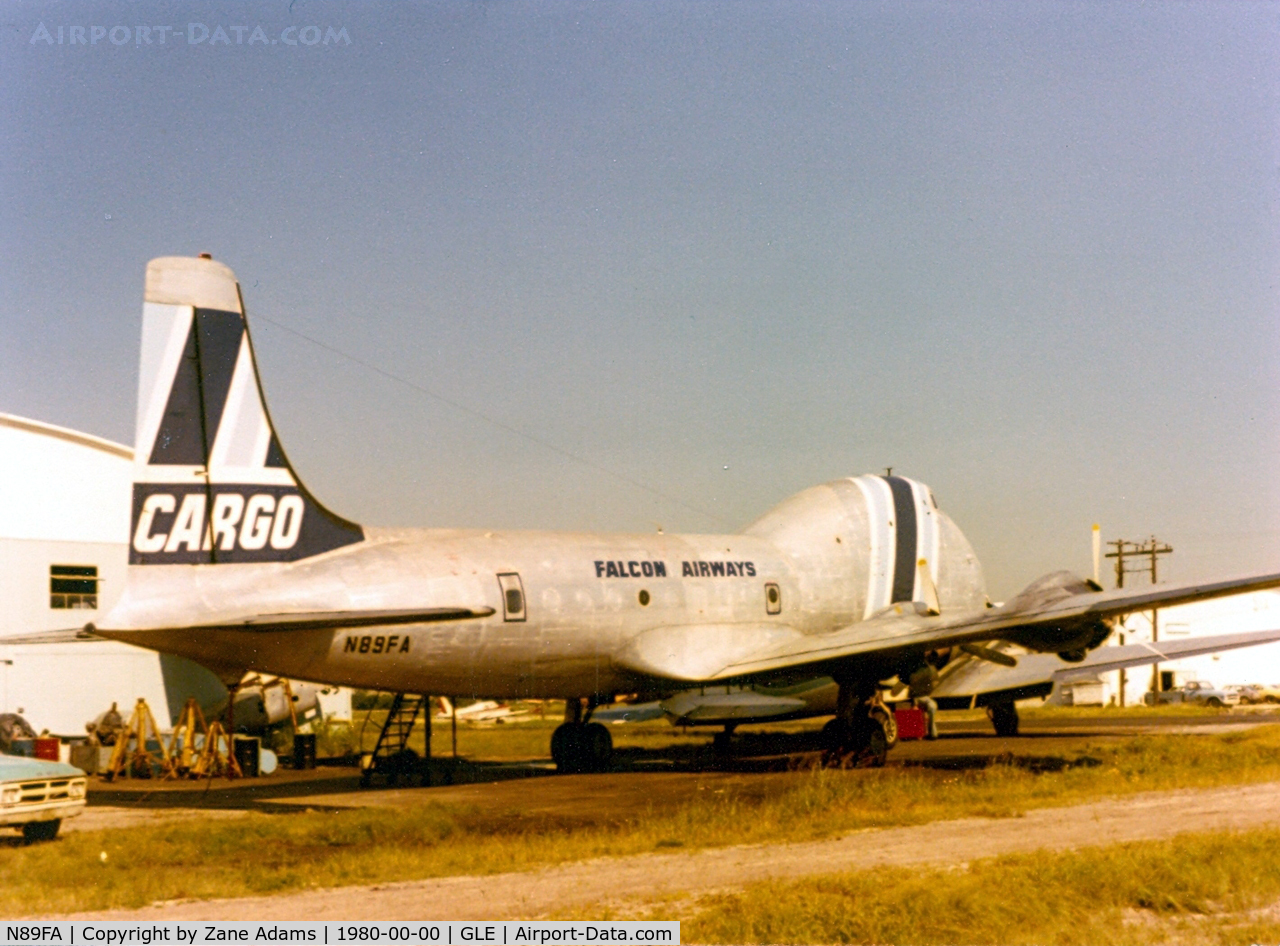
(139, 762)
(200, 761)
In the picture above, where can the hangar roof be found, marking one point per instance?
(62, 485)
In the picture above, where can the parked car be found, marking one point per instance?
(1197, 691)
(36, 794)
(1245, 692)
(1268, 694)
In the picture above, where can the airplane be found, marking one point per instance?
(482, 711)
(233, 563)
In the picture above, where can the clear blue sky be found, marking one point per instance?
(1027, 253)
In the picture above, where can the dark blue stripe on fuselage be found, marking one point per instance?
(904, 520)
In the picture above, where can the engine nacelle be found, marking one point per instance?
(1070, 640)
(262, 704)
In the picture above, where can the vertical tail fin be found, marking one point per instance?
(211, 483)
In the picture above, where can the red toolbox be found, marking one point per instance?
(912, 723)
(47, 748)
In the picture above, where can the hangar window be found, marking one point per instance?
(73, 586)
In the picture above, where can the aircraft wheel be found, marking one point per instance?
(834, 734)
(1004, 718)
(876, 751)
(854, 745)
(404, 764)
(576, 747)
(840, 743)
(888, 724)
(564, 747)
(33, 832)
(597, 747)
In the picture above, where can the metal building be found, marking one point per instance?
(64, 529)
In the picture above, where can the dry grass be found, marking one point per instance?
(1202, 889)
(263, 854)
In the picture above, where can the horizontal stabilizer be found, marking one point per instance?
(319, 620)
(70, 635)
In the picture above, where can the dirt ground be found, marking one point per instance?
(760, 765)
(629, 884)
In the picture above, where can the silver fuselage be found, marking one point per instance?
(583, 595)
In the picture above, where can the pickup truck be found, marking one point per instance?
(35, 795)
(1197, 691)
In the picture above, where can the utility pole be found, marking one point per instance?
(1154, 550)
(1150, 550)
(1122, 548)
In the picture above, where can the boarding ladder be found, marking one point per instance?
(392, 757)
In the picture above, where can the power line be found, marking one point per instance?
(456, 405)
(1151, 550)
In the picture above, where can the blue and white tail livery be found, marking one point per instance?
(903, 520)
(211, 483)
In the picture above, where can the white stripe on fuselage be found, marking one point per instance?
(884, 541)
(927, 535)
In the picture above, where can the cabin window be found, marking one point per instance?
(513, 603)
(772, 598)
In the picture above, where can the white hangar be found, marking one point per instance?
(64, 529)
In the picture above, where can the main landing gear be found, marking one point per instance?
(579, 745)
(722, 742)
(856, 737)
(1004, 717)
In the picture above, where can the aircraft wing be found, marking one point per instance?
(978, 682)
(1056, 603)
